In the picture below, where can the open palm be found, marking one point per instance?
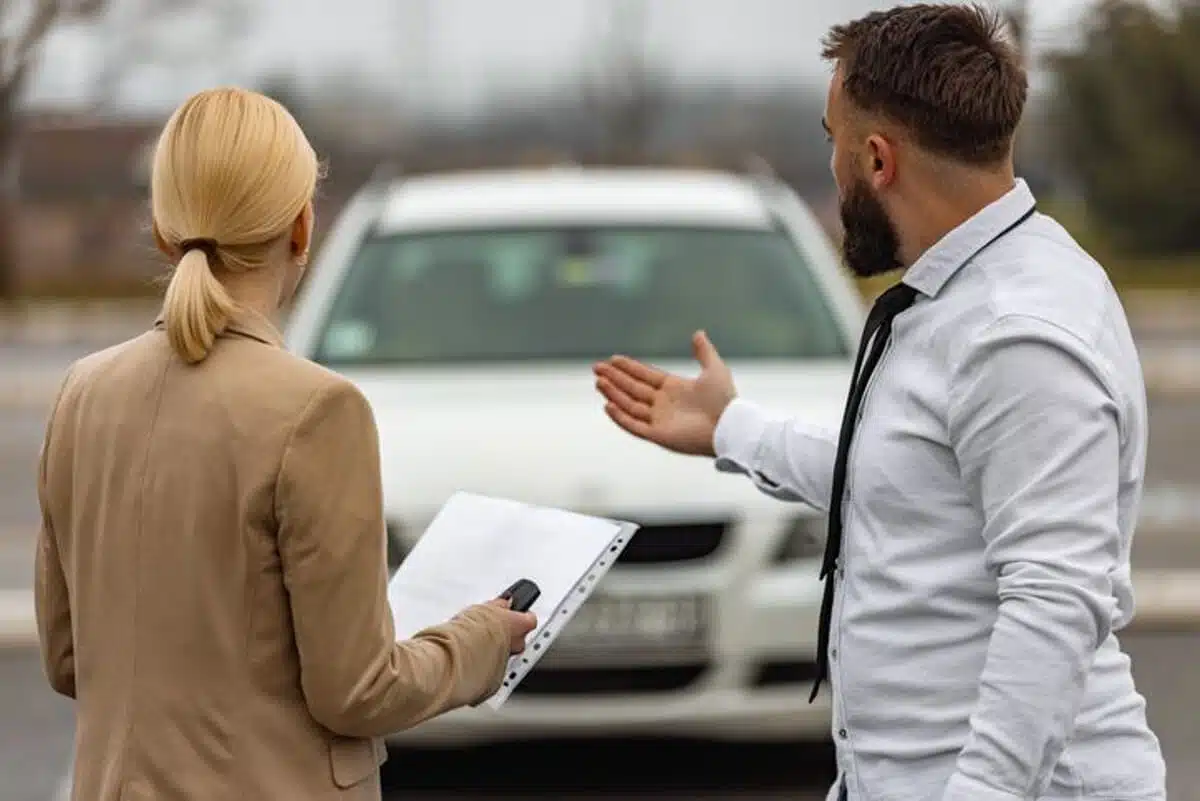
(678, 413)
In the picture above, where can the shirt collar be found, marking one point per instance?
(244, 323)
(938, 265)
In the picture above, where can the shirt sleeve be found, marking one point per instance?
(785, 458)
(357, 680)
(1036, 429)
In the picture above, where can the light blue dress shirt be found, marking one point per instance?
(992, 490)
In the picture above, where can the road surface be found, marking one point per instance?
(35, 747)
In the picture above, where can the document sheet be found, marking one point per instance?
(477, 546)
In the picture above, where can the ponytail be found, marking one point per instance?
(196, 307)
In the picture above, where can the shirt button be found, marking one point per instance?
(843, 734)
(833, 654)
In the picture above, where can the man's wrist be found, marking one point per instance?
(738, 432)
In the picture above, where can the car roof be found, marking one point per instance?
(572, 195)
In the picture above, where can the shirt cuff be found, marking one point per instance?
(738, 435)
(962, 788)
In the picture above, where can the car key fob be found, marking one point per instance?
(521, 595)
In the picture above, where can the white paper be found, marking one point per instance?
(478, 546)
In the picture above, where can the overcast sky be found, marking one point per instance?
(468, 48)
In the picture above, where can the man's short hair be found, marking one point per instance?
(946, 73)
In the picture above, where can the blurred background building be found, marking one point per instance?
(455, 84)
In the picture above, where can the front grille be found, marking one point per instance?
(610, 681)
(675, 542)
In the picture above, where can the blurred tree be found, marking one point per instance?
(344, 107)
(25, 24)
(157, 34)
(1016, 15)
(23, 27)
(1027, 150)
(626, 94)
(283, 88)
(1127, 109)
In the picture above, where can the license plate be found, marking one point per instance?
(605, 622)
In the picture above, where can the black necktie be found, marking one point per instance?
(874, 340)
(870, 349)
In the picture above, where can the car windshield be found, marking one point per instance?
(578, 293)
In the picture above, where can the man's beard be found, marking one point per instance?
(870, 244)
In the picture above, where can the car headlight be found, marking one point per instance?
(804, 538)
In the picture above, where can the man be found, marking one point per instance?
(998, 428)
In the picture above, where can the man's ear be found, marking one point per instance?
(881, 161)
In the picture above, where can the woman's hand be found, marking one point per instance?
(519, 624)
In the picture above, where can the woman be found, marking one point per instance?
(211, 580)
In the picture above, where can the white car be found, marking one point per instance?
(470, 307)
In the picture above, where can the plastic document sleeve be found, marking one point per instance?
(477, 546)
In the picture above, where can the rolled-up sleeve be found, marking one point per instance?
(785, 458)
(1035, 425)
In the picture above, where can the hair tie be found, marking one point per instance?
(206, 244)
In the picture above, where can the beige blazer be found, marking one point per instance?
(211, 580)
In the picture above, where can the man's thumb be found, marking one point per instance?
(705, 353)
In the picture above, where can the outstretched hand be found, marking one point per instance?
(677, 413)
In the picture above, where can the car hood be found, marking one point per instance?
(540, 435)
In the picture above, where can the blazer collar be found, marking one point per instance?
(244, 323)
(939, 264)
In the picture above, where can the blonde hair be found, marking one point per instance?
(232, 173)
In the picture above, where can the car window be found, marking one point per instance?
(577, 293)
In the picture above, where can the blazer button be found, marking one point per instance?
(843, 734)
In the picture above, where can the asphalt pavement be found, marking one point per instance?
(36, 731)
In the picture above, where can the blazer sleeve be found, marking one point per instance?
(357, 680)
(52, 604)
